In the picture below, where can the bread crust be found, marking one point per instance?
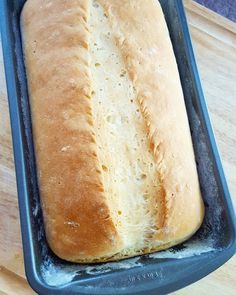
(77, 220)
(147, 51)
(78, 223)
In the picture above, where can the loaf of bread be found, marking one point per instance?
(115, 160)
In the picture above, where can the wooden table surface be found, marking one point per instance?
(214, 40)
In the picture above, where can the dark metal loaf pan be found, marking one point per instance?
(157, 273)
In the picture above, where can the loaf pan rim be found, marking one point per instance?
(11, 77)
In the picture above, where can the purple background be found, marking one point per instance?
(226, 8)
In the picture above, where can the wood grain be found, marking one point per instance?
(214, 40)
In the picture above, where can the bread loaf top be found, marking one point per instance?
(115, 161)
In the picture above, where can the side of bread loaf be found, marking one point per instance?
(116, 167)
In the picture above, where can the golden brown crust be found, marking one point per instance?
(76, 217)
(78, 221)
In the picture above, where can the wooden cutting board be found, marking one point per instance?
(214, 40)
